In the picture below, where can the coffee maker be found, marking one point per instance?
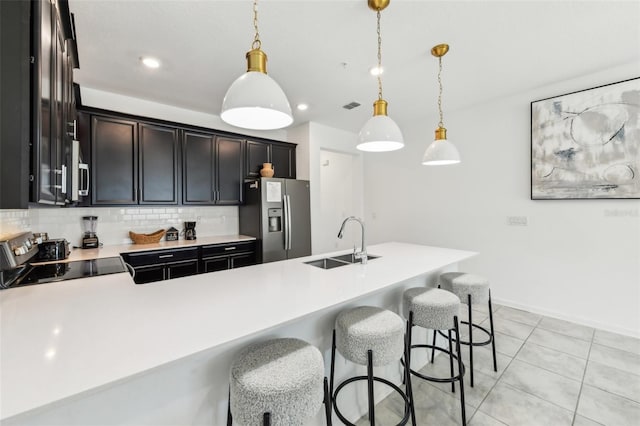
(89, 237)
(189, 230)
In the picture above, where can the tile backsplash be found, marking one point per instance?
(114, 223)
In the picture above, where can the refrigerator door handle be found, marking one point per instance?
(289, 222)
(286, 221)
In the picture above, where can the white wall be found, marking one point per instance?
(339, 198)
(315, 139)
(577, 259)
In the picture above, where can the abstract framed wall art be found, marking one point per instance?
(586, 144)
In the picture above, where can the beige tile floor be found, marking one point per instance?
(550, 373)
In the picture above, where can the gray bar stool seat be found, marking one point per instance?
(434, 309)
(472, 290)
(370, 336)
(279, 382)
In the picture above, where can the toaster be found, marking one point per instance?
(56, 249)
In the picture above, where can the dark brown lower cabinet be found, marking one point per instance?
(165, 264)
(158, 265)
(218, 257)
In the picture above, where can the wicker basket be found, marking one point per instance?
(147, 238)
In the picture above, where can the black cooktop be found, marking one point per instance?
(61, 271)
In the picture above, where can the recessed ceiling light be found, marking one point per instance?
(376, 70)
(302, 107)
(151, 62)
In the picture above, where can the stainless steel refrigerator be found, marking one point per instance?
(277, 212)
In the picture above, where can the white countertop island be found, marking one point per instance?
(79, 337)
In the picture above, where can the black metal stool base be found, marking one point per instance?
(449, 379)
(404, 420)
(491, 337)
(457, 356)
(370, 378)
(468, 343)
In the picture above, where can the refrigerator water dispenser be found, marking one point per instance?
(275, 220)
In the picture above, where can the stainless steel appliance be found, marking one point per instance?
(56, 249)
(79, 182)
(16, 270)
(189, 230)
(277, 212)
(89, 237)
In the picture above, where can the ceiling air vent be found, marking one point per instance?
(351, 105)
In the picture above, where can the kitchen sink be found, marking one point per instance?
(337, 261)
(326, 263)
(349, 257)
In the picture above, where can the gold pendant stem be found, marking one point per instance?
(380, 107)
(441, 133)
(256, 61)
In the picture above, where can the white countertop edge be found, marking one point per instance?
(242, 328)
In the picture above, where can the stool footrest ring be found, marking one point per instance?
(464, 342)
(334, 398)
(437, 379)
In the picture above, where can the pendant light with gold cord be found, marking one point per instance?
(255, 100)
(441, 151)
(380, 133)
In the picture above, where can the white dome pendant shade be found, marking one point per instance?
(255, 100)
(380, 133)
(441, 152)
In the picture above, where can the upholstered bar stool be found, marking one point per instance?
(370, 336)
(472, 289)
(277, 382)
(434, 309)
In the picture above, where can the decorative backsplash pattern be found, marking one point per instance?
(13, 222)
(114, 223)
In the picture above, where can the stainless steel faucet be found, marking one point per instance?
(362, 254)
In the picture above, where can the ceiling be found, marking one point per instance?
(320, 51)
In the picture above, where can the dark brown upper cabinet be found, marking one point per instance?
(158, 152)
(281, 155)
(15, 104)
(133, 163)
(114, 161)
(52, 103)
(142, 161)
(283, 158)
(212, 169)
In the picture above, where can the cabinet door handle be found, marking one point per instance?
(131, 269)
(74, 131)
(164, 256)
(229, 248)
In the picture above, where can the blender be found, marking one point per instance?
(89, 238)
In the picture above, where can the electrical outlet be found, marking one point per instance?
(517, 220)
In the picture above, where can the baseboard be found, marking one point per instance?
(563, 316)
